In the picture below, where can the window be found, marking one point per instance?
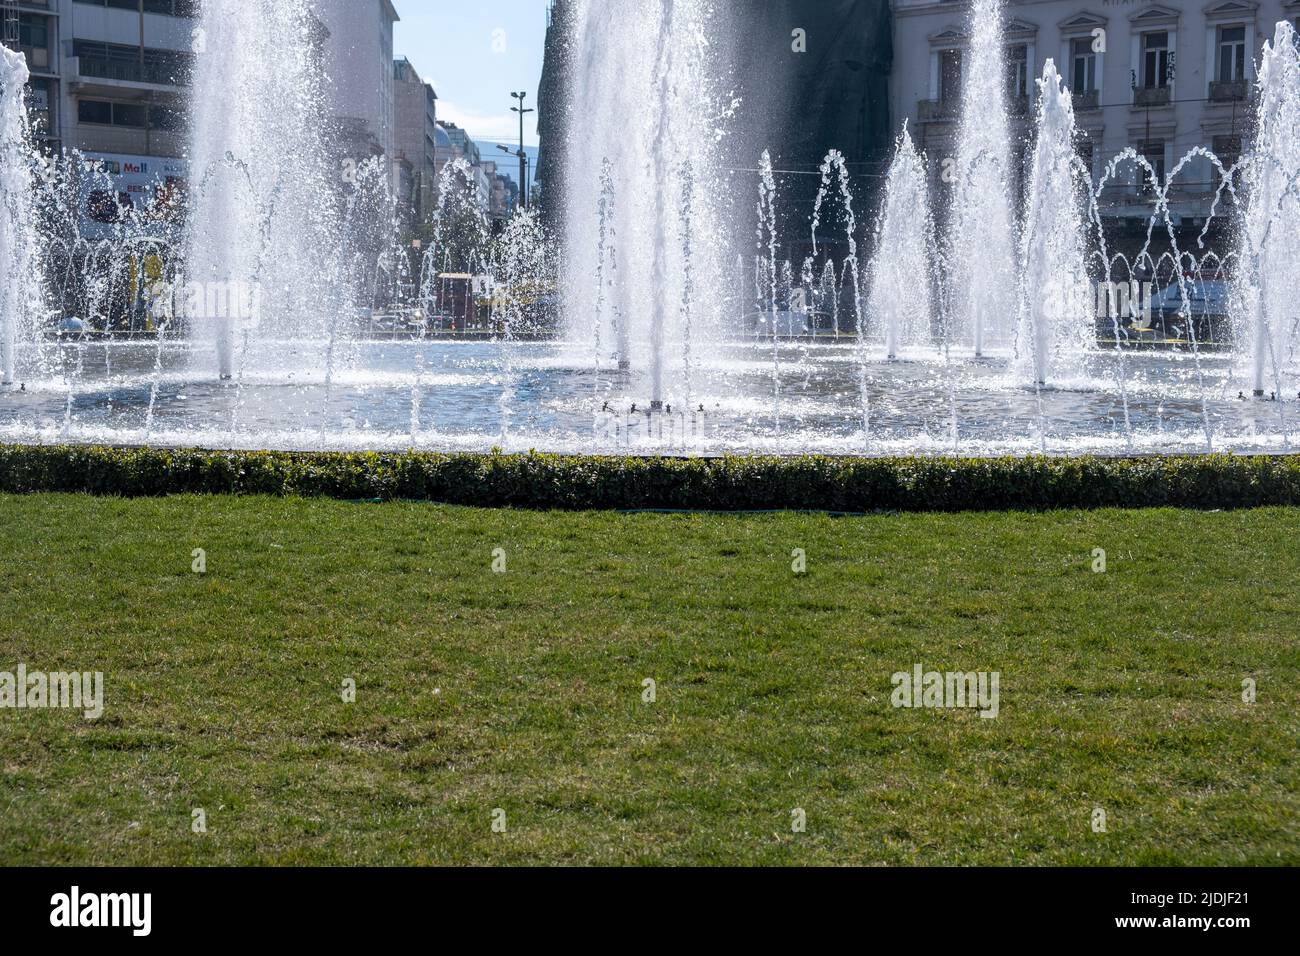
(1232, 54)
(1228, 149)
(1153, 151)
(121, 62)
(166, 119)
(1018, 71)
(34, 40)
(171, 8)
(1155, 60)
(95, 111)
(32, 31)
(950, 76)
(129, 114)
(1083, 69)
(111, 114)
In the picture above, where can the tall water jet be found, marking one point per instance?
(1055, 324)
(264, 208)
(834, 163)
(1271, 231)
(767, 242)
(606, 267)
(982, 237)
(19, 237)
(900, 298)
(460, 229)
(665, 159)
(518, 270)
(686, 229)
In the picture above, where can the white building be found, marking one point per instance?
(359, 72)
(1163, 76)
(460, 146)
(107, 75)
(109, 78)
(417, 134)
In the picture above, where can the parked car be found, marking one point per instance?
(1207, 311)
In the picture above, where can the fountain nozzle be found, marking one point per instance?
(1259, 393)
(656, 406)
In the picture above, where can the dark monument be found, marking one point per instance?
(813, 76)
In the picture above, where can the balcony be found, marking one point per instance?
(131, 141)
(937, 111)
(128, 71)
(1086, 101)
(1234, 92)
(1151, 96)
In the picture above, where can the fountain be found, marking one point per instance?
(1271, 233)
(264, 213)
(1055, 301)
(836, 164)
(19, 282)
(982, 240)
(670, 323)
(767, 244)
(663, 168)
(900, 298)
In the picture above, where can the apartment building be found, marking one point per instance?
(109, 79)
(1162, 77)
(460, 146)
(359, 74)
(107, 75)
(416, 135)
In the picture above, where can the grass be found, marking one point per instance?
(523, 691)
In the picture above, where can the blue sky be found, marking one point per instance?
(475, 54)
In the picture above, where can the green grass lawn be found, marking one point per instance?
(523, 691)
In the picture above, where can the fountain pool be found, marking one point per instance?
(678, 333)
(919, 404)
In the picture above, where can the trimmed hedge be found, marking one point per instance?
(696, 484)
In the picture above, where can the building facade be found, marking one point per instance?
(416, 135)
(110, 79)
(359, 76)
(1161, 77)
(108, 76)
(811, 76)
(460, 146)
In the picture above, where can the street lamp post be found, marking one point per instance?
(523, 173)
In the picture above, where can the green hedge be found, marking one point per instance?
(716, 484)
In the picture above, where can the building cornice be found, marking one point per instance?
(1155, 16)
(1085, 21)
(1231, 10)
